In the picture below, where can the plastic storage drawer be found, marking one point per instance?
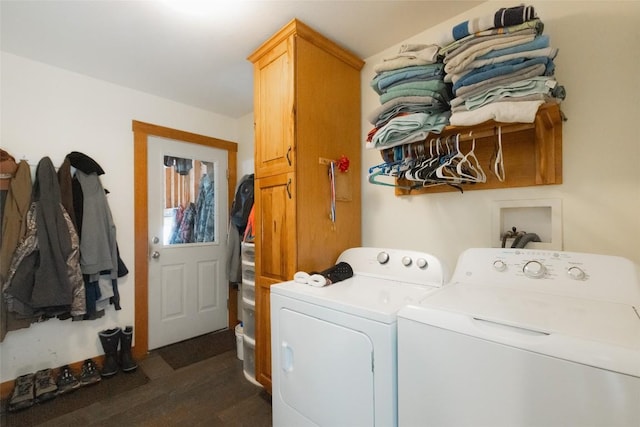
(249, 252)
(248, 272)
(249, 292)
(248, 319)
(249, 361)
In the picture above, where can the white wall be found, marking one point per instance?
(599, 67)
(48, 111)
(245, 145)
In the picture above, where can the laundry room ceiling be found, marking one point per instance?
(198, 58)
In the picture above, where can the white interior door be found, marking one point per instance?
(188, 220)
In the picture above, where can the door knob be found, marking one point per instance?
(155, 254)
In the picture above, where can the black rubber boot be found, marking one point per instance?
(110, 339)
(127, 364)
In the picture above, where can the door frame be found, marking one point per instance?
(141, 133)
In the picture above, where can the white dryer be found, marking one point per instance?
(524, 338)
(334, 347)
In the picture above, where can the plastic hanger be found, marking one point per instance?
(427, 171)
(498, 162)
(470, 163)
(413, 173)
(386, 169)
(447, 169)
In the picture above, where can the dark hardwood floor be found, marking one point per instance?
(213, 392)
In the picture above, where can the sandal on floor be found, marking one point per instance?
(22, 396)
(45, 385)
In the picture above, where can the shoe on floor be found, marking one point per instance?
(45, 385)
(90, 373)
(67, 382)
(22, 396)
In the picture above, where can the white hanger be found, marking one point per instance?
(413, 173)
(498, 163)
(473, 165)
(426, 173)
(445, 171)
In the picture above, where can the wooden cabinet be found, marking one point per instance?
(276, 223)
(307, 114)
(274, 109)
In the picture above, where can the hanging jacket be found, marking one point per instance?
(66, 188)
(22, 278)
(86, 164)
(14, 217)
(44, 276)
(14, 229)
(242, 203)
(205, 220)
(185, 230)
(98, 250)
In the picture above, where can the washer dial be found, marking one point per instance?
(499, 265)
(576, 273)
(383, 257)
(534, 269)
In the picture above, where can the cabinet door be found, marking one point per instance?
(275, 221)
(276, 256)
(274, 110)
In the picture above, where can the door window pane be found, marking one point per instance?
(189, 201)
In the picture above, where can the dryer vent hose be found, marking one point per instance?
(523, 240)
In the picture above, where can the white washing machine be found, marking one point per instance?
(524, 338)
(334, 347)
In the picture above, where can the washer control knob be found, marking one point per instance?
(422, 263)
(534, 269)
(576, 273)
(499, 265)
(406, 261)
(383, 257)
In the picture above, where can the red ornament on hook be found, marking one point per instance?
(343, 164)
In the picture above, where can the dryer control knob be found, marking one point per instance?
(534, 269)
(499, 265)
(383, 257)
(576, 273)
(422, 263)
(406, 261)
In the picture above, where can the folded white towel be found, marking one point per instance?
(507, 112)
(310, 279)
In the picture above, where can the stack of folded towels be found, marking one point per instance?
(413, 95)
(501, 67)
(497, 67)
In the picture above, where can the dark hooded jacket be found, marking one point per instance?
(44, 276)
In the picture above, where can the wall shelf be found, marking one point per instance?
(532, 152)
